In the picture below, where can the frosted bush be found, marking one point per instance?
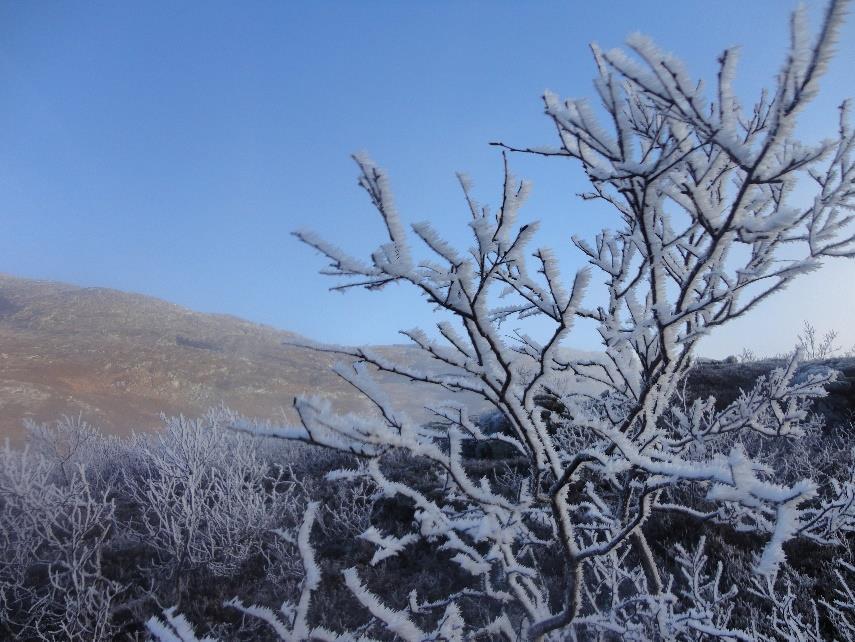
(54, 531)
(205, 498)
(702, 189)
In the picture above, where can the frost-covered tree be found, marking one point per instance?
(707, 228)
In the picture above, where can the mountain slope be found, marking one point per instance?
(121, 359)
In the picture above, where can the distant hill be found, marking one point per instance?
(121, 359)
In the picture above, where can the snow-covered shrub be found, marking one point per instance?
(205, 498)
(814, 348)
(71, 442)
(841, 607)
(67, 443)
(54, 526)
(173, 627)
(703, 193)
(347, 510)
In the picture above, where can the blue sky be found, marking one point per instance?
(170, 148)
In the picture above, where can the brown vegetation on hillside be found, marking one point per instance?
(121, 359)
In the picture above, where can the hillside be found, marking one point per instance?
(121, 359)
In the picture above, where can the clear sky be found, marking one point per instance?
(169, 148)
